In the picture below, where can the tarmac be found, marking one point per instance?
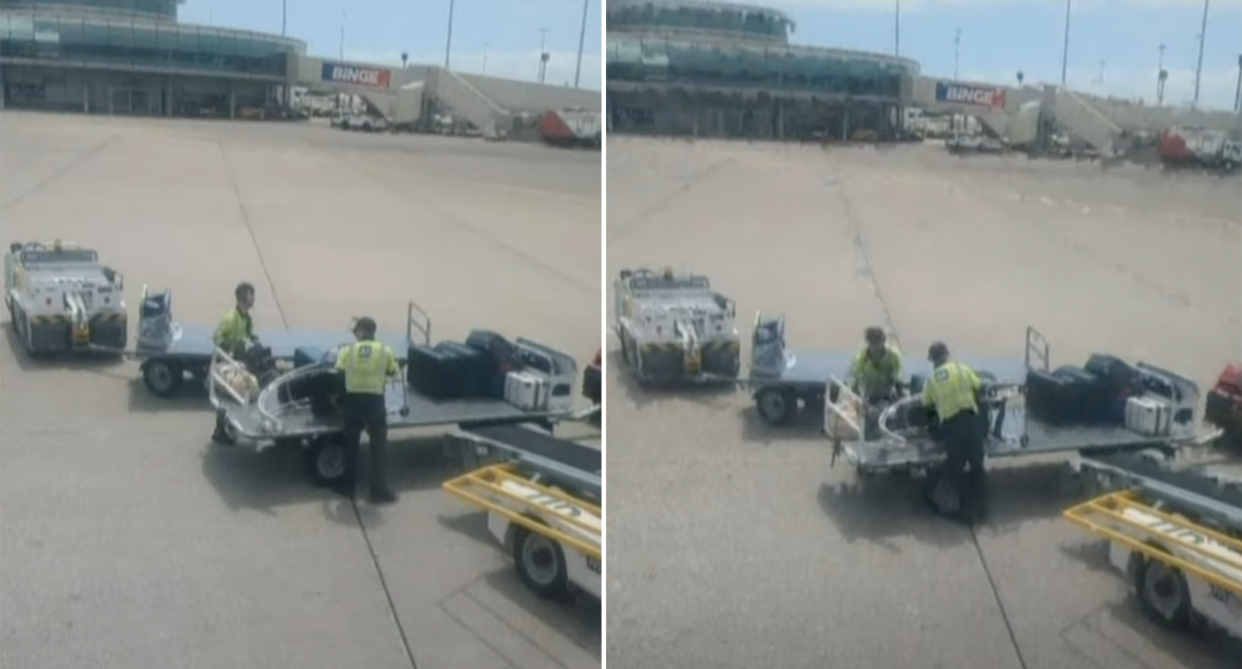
(733, 544)
(127, 541)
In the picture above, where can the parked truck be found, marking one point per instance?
(1212, 150)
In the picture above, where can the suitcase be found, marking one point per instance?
(1148, 416)
(307, 355)
(1055, 400)
(502, 350)
(430, 373)
(326, 390)
(476, 370)
(1095, 408)
(526, 391)
(1120, 382)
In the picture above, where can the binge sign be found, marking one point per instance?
(970, 95)
(359, 76)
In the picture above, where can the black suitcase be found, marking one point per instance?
(1120, 381)
(1052, 399)
(431, 373)
(475, 368)
(502, 350)
(1093, 393)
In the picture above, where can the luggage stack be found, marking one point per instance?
(453, 370)
(1096, 394)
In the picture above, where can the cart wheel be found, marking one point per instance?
(163, 377)
(540, 563)
(1162, 591)
(776, 405)
(325, 461)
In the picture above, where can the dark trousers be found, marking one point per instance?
(963, 439)
(369, 413)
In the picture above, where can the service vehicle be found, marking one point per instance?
(545, 505)
(299, 407)
(593, 379)
(674, 327)
(1108, 406)
(61, 298)
(783, 381)
(1175, 535)
(1224, 405)
(169, 351)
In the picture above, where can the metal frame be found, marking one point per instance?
(492, 479)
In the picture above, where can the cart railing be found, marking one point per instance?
(220, 359)
(1173, 540)
(486, 488)
(417, 320)
(840, 424)
(1038, 354)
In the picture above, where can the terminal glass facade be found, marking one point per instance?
(773, 68)
(65, 39)
(749, 22)
(151, 9)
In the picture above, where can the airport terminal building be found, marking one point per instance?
(691, 67)
(133, 57)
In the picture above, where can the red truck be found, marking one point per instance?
(1224, 405)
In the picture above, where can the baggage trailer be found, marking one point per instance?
(544, 506)
(1177, 538)
(284, 412)
(169, 351)
(900, 439)
(783, 380)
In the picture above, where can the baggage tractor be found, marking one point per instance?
(477, 368)
(431, 373)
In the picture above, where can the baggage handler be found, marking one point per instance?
(367, 365)
(876, 371)
(235, 334)
(952, 391)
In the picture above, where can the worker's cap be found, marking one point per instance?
(937, 351)
(875, 335)
(365, 324)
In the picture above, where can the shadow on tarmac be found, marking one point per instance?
(103, 364)
(879, 508)
(712, 395)
(277, 477)
(1199, 647)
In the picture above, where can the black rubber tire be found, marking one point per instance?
(776, 406)
(163, 378)
(1178, 612)
(325, 461)
(527, 547)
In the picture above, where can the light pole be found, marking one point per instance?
(957, 43)
(1065, 48)
(341, 49)
(486, 46)
(284, 16)
(448, 40)
(897, 28)
(1161, 75)
(543, 53)
(581, 39)
(1202, 41)
(1237, 95)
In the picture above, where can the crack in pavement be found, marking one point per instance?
(867, 270)
(622, 229)
(58, 173)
